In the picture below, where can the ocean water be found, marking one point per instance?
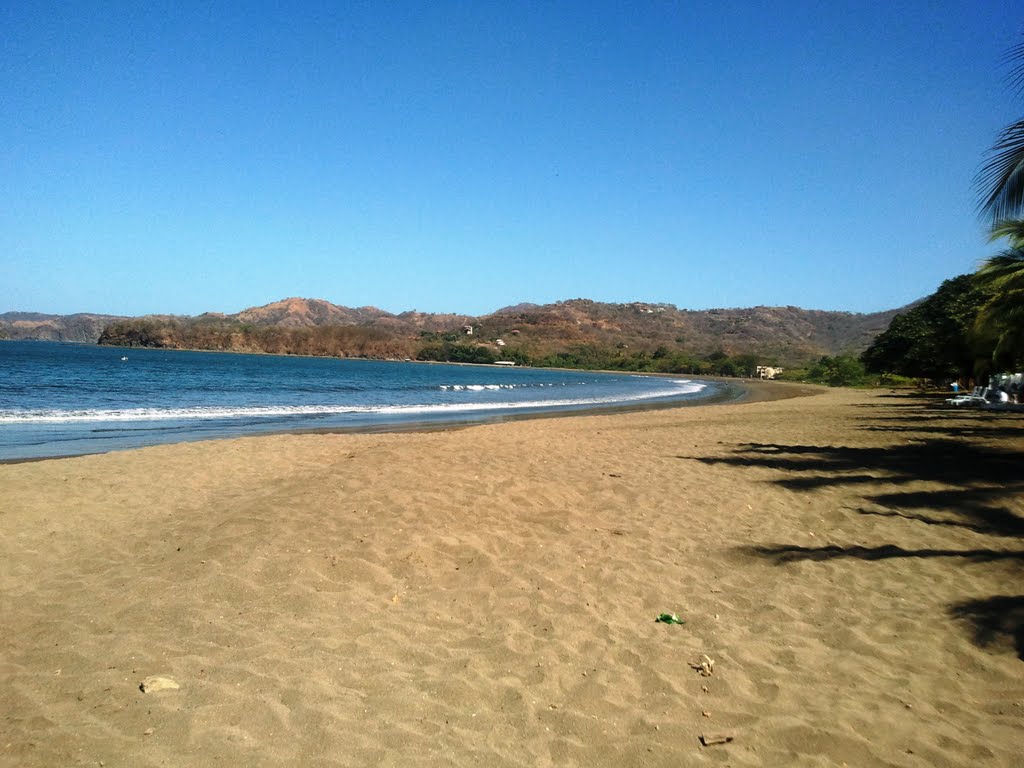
(67, 399)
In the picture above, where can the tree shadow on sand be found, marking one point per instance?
(978, 487)
(949, 430)
(994, 618)
(940, 460)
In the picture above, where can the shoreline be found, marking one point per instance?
(404, 361)
(736, 391)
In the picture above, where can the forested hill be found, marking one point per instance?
(564, 332)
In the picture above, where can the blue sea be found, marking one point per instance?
(60, 399)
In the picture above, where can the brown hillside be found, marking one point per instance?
(34, 325)
(787, 335)
(297, 313)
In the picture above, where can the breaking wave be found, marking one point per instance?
(495, 387)
(120, 415)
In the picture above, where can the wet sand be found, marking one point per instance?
(851, 562)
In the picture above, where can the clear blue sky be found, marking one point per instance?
(184, 157)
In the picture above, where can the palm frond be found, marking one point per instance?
(1000, 182)
(1009, 305)
(1001, 178)
(1015, 79)
(1011, 229)
(1003, 272)
(999, 328)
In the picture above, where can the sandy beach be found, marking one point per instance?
(851, 562)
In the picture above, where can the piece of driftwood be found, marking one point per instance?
(706, 665)
(710, 739)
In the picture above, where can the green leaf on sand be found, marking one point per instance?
(669, 618)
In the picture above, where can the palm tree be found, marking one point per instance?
(999, 327)
(1000, 323)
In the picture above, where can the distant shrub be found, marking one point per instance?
(792, 374)
(840, 371)
(449, 352)
(894, 380)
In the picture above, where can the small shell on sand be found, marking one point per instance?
(157, 683)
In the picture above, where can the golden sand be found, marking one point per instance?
(850, 562)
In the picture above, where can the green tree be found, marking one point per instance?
(840, 371)
(934, 340)
(450, 352)
(746, 364)
(999, 327)
(726, 368)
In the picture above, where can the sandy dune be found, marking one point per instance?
(852, 562)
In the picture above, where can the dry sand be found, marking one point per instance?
(852, 562)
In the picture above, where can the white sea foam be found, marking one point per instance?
(481, 387)
(681, 387)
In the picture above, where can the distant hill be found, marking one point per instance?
(785, 335)
(34, 325)
(297, 313)
(788, 334)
